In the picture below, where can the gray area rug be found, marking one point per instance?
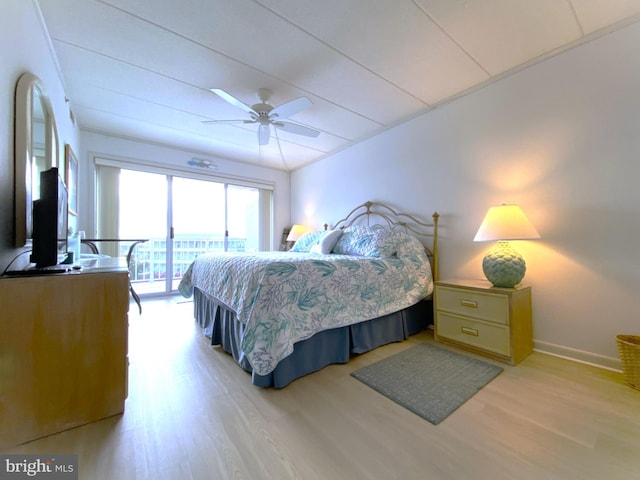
(428, 380)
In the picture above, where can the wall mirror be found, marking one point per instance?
(36, 149)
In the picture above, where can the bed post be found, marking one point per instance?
(436, 273)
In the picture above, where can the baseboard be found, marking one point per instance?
(594, 359)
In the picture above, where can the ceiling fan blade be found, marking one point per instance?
(297, 129)
(233, 101)
(238, 120)
(290, 108)
(264, 133)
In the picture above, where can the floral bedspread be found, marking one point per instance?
(284, 297)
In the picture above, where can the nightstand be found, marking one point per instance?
(492, 321)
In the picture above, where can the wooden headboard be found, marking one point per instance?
(370, 213)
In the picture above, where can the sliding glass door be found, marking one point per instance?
(181, 218)
(142, 214)
(211, 217)
(198, 222)
(243, 212)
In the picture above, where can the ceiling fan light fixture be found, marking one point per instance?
(264, 133)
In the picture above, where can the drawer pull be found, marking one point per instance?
(469, 331)
(469, 303)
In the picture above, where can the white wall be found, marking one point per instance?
(24, 47)
(93, 144)
(561, 139)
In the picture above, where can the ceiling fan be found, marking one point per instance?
(266, 115)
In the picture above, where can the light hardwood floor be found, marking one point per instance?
(193, 414)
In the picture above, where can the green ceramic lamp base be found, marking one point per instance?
(503, 266)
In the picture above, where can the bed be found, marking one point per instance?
(364, 282)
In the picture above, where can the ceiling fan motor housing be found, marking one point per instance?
(263, 110)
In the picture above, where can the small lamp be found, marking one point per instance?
(296, 232)
(503, 266)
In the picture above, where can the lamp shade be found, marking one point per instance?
(503, 266)
(506, 222)
(296, 232)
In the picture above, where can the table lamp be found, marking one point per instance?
(503, 266)
(296, 232)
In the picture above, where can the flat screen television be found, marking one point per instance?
(50, 217)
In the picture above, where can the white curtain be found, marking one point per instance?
(108, 198)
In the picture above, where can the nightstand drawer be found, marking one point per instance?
(487, 336)
(483, 305)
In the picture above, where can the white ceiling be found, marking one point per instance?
(143, 68)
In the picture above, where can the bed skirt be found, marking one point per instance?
(324, 348)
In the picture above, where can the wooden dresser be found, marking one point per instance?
(492, 321)
(63, 350)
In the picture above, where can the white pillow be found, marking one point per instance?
(327, 242)
(315, 249)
